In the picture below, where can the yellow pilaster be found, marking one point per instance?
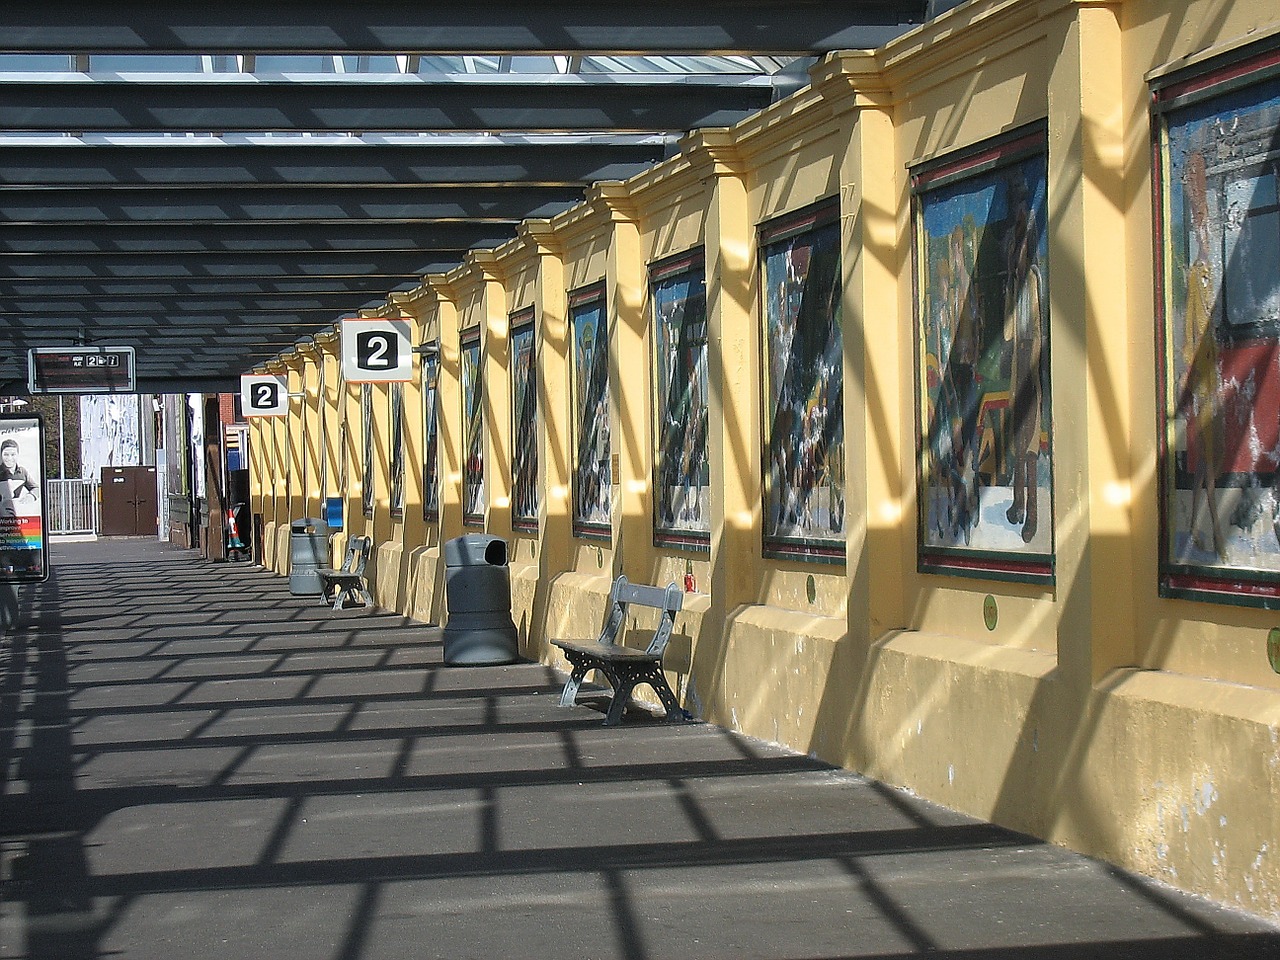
(495, 373)
(449, 426)
(629, 382)
(1091, 331)
(312, 503)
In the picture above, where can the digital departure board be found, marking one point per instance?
(81, 370)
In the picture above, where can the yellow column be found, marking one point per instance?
(296, 437)
(496, 376)
(329, 438)
(733, 363)
(1091, 332)
(733, 441)
(879, 485)
(551, 336)
(449, 425)
(312, 504)
(276, 513)
(629, 382)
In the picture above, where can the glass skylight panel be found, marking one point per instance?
(35, 63)
(143, 63)
(294, 63)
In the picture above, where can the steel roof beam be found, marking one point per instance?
(301, 205)
(497, 26)
(76, 102)
(217, 164)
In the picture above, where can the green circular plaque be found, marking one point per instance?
(990, 612)
(1273, 648)
(811, 588)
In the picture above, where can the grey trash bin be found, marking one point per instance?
(308, 552)
(478, 593)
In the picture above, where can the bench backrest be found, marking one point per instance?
(668, 599)
(357, 555)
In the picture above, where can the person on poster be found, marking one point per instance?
(19, 491)
(1023, 326)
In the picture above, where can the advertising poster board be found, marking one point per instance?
(24, 541)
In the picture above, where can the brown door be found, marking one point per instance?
(128, 501)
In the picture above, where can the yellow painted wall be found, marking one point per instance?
(1091, 712)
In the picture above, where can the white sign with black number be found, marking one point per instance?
(264, 395)
(376, 350)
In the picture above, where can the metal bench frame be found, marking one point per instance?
(625, 667)
(347, 582)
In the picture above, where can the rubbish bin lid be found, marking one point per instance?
(309, 525)
(475, 550)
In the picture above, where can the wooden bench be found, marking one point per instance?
(347, 582)
(623, 666)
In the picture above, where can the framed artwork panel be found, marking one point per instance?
(984, 403)
(1217, 212)
(473, 496)
(682, 481)
(430, 373)
(395, 423)
(804, 496)
(366, 428)
(524, 423)
(592, 474)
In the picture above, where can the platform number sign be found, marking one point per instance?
(376, 350)
(264, 395)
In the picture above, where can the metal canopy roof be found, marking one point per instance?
(213, 182)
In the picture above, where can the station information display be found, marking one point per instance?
(81, 370)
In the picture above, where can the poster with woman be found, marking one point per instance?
(682, 483)
(524, 426)
(1218, 263)
(804, 496)
(985, 505)
(24, 551)
(472, 430)
(593, 479)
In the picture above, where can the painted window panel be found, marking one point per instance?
(1218, 263)
(682, 483)
(473, 493)
(395, 423)
(984, 402)
(804, 495)
(593, 476)
(524, 427)
(430, 372)
(366, 426)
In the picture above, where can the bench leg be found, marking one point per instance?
(569, 696)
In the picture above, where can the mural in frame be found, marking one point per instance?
(984, 405)
(430, 373)
(366, 433)
(472, 430)
(592, 475)
(1217, 250)
(524, 423)
(395, 423)
(682, 481)
(804, 495)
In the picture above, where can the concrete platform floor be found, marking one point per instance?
(199, 765)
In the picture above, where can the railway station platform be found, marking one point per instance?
(199, 765)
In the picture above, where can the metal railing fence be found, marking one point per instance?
(73, 506)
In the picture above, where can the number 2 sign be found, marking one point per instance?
(376, 350)
(264, 395)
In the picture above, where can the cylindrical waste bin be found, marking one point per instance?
(478, 593)
(308, 552)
